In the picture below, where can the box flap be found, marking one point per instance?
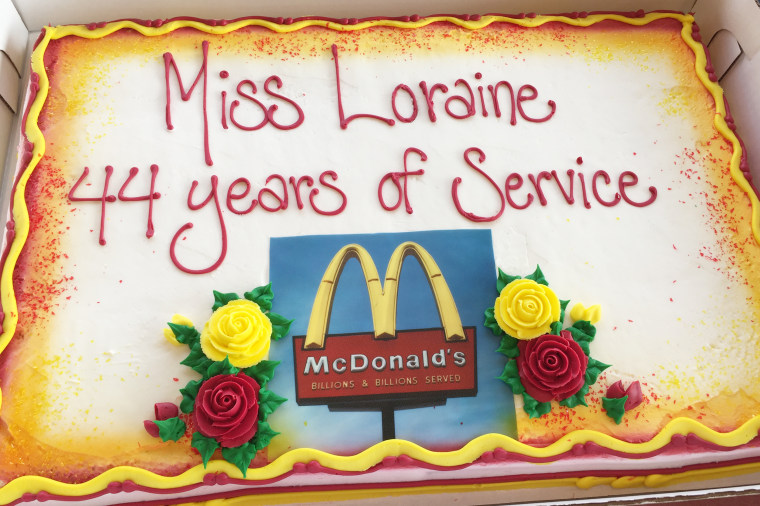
(740, 17)
(13, 34)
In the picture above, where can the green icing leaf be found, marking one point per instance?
(578, 337)
(185, 334)
(197, 360)
(576, 400)
(264, 435)
(582, 334)
(206, 446)
(503, 280)
(262, 372)
(538, 277)
(268, 402)
(223, 367)
(188, 395)
(490, 322)
(280, 325)
(511, 377)
(170, 429)
(593, 369)
(556, 328)
(615, 408)
(262, 296)
(562, 307)
(241, 456)
(221, 299)
(509, 347)
(586, 327)
(534, 408)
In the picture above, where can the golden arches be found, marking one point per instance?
(382, 298)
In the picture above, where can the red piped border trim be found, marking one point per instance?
(262, 488)
(24, 159)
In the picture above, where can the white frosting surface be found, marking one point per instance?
(676, 313)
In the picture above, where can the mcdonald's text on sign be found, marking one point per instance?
(415, 366)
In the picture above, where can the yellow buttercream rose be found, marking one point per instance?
(240, 330)
(526, 309)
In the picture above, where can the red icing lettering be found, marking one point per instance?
(536, 180)
(428, 94)
(213, 194)
(509, 186)
(634, 179)
(533, 95)
(567, 194)
(607, 180)
(224, 110)
(150, 197)
(236, 103)
(282, 200)
(469, 105)
(494, 90)
(224, 75)
(297, 187)
(408, 90)
(483, 110)
(586, 203)
(314, 192)
(104, 197)
(273, 108)
(185, 94)
(515, 181)
(395, 177)
(232, 195)
(455, 185)
(343, 120)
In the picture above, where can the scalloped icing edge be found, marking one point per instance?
(18, 229)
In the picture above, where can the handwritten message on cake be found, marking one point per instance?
(267, 104)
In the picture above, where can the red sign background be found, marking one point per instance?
(356, 368)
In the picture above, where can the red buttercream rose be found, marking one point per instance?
(227, 409)
(551, 367)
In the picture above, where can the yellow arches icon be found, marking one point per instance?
(382, 298)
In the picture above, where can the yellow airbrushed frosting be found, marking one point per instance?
(375, 454)
(238, 330)
(526, 309)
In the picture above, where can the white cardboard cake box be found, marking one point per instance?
(728, 27)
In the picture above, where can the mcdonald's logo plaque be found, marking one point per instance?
(407, 341)
(384, 366)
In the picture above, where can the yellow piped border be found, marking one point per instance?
(470, 452)
(375, 454)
